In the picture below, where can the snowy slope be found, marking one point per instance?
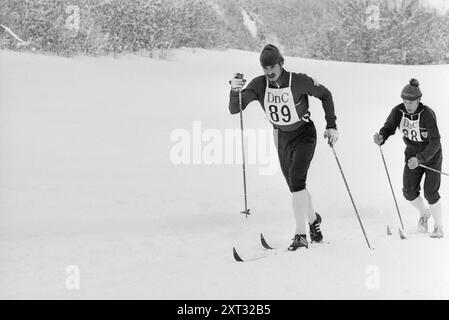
(87, 179)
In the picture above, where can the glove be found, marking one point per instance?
(378, 139)
(237, 82)
(331, 135)
(413, 163)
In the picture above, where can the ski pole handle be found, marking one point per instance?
(237, 82)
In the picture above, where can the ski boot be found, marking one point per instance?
(299, 241)
(423, 226)
(437, 233)
(315, 231)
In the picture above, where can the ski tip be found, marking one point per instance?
(401, 234)
(264, 243)
(246, 212)
(389, 230)
(236, 255)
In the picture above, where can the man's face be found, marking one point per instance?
(411, 105)
(273, 72)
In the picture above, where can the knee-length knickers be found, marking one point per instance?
(295, 151)
(412, 180)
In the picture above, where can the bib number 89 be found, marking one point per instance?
(284, 112)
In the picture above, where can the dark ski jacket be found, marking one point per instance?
(302, 86)
(426, 150)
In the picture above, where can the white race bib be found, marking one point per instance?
(410, 128)
(279, 105)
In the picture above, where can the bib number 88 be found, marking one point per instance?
(284, 112)
(412, 135)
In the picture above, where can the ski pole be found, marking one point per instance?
(391, 187)
(246, 211)
(432, 169)
(350, 195)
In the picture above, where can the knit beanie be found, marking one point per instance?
(270, 55)
(411, 91)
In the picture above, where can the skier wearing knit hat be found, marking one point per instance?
(418, 124)
(284, 98)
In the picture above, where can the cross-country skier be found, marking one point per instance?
(418, 124)
(283, 96)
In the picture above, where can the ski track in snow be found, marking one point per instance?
(86, 180)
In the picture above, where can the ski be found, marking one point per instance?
(236, 255)
(264, 243)
(268, 247)
(247, 258)
(268, 251)
(401, 233)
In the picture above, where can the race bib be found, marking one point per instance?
(279, 106)
(410, 128)
(280, 113)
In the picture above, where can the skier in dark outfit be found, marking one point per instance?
(418, 125)
(283, 96)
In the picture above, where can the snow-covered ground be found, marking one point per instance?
(94, 205)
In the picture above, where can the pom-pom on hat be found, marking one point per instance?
(411, 91)
(270, 55)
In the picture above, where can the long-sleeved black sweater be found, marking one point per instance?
(302, 86)
(420, 131)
